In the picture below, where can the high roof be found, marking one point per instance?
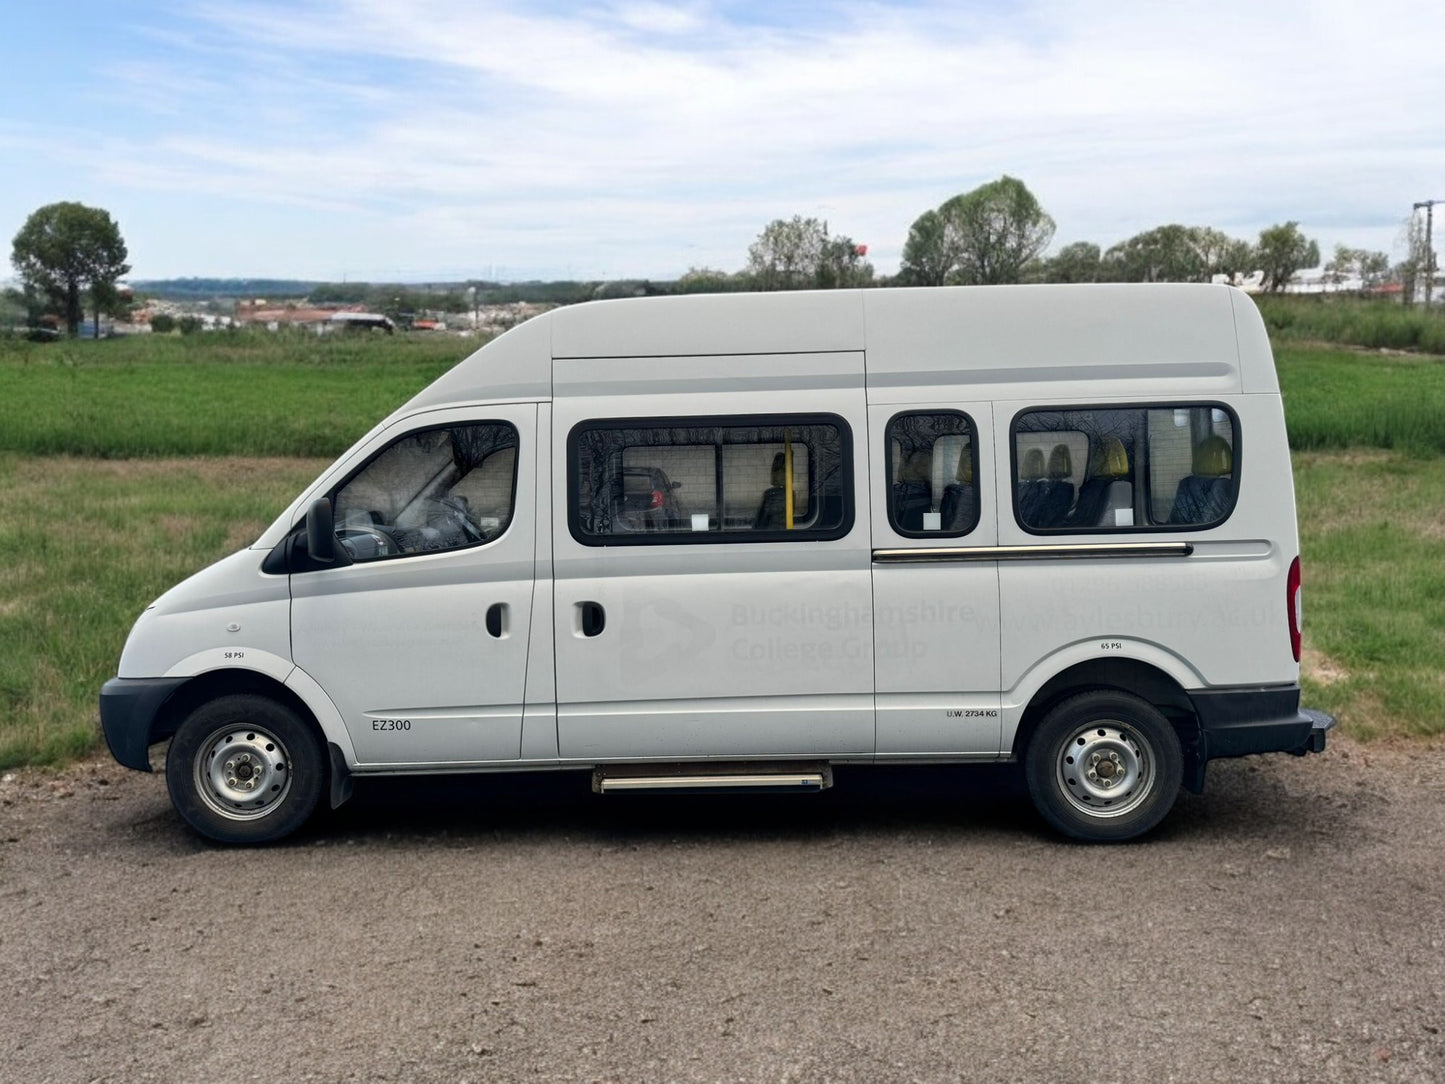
(998, 341)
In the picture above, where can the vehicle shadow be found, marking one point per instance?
(966, 799)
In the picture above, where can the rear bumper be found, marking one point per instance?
(128, 710)
(1242, 722)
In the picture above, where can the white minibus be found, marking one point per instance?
(735, 541)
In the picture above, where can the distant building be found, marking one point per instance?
(367, 320)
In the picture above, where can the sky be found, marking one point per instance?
(440, 140)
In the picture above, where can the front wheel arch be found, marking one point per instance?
(213, 684)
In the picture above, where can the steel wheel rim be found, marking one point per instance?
(242, 772)
(1105, 769)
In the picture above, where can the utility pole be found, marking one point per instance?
(1429, 205)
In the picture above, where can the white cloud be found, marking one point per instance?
(641, 138)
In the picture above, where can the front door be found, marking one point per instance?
(421, 642)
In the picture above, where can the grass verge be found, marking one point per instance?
(84, 546)
(1373, 540)
(212, 394)
(1373, 323)
(1339, 399)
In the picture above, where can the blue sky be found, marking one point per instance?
(446, 139)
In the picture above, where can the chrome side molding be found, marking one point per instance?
(1066, 552)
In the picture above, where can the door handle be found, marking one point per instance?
(497, 619)
(593, 618)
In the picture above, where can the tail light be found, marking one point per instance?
(1296, 608)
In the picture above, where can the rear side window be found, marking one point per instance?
(765, 479)
(1125, 468)
(932, 474)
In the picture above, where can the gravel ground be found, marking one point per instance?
(1285, 926)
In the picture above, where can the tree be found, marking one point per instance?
(1078, 262)
(1222, 254)
(1373, 267)
(983, 237)
(1176, 253)
(1283, 250)
(66, 249)
(705, 280)
(929, 253)
(13, 310)
(799, 254)
(1419, 257)
(1163, 254)
(1367, 268)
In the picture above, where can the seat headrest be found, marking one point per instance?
(1061, 464)
(1032, 469)
(918, 467)
(965, 467)
(1109, 459)
(1213, 457)
(780, 462)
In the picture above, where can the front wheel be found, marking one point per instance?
(1104, 766)
(245, 769)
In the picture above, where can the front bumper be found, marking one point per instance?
(128, 711)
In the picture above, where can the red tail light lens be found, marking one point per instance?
(1296, 609)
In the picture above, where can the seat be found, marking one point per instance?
(1107, 488)
(913, 492)
(959, 509)
(773, 510)
(1056, 491)
(1204, 496)
(1032, 488)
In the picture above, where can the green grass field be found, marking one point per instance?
(1372, 527)
(1338, 399)
(125, 465)
(1352, 321)
(212, 394)
(85, 545)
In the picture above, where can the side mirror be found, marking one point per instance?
(321, 541)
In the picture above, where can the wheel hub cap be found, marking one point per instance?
(1105, 770)
(241, 772)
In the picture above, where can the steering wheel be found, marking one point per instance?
(366, 542)
(454, 510)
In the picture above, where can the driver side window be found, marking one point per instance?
(432, 490)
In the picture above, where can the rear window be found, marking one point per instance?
(1125, 468)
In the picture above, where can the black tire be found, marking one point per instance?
(245, 769)
(1104, 766)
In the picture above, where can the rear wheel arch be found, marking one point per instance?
(1131, 676)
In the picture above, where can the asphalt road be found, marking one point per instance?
(1285, 926)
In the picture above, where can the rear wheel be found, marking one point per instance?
(1104, 766)
(245, 769)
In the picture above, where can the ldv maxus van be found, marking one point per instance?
(735, 541)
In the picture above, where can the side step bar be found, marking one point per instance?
(732, 778)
